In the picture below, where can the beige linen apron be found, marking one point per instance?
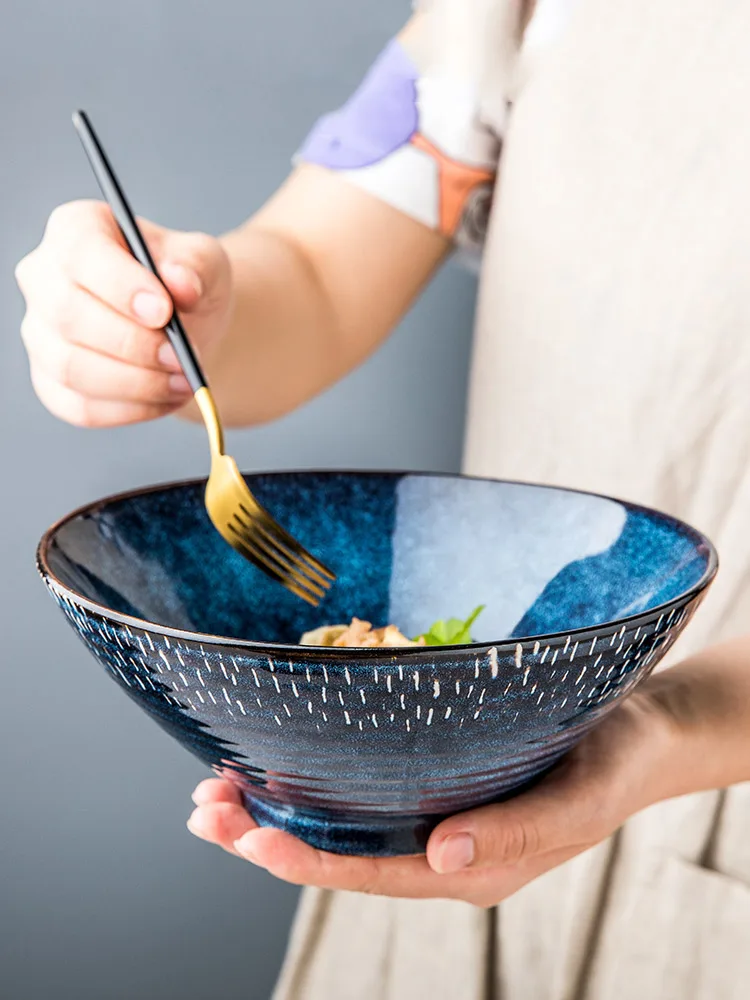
(612, 354)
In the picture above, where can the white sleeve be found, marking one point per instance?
(413, 135)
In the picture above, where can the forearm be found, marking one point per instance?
(282, 344)
(706, 701)
(320, 277)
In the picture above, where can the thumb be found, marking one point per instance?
(549, 818)
(184, 284)
(614, 772)
(195, 269)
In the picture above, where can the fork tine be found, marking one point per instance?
(281, 536)
(288, 572)
(266, 542)
(245, 547)
(283, 562)
(261, 522)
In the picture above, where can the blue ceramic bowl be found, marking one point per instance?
(364, 751)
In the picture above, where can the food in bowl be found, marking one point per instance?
(361, 635)
(357, 635)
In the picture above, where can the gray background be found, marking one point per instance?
(103, 893)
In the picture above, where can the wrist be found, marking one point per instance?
(655, 747)
(701, 708)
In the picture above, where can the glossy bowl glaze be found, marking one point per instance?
(364, 751)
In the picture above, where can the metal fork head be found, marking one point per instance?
(251, 530)
(248, 527)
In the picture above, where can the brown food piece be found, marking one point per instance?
(357, 635)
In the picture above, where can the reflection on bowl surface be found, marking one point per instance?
(364, 751)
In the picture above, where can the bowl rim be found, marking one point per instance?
(371, 652)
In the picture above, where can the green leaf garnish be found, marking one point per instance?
(454, 632)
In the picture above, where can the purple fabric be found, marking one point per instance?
(377, 120)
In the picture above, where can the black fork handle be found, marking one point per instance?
(132, 235)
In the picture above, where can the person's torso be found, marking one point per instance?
(613, 354)
(613, 339)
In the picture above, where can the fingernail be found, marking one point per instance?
(168, 358)
(195, 824)
(179, 386)
(243, 847)
(178, 274)
(150, 309)
(455, 853)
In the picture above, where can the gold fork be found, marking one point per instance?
(233, 509)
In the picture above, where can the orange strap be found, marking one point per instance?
(456, 182)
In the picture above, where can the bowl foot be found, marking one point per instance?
(375, 835)
(371, 836)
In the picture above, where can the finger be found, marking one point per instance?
(216, 790)
(294, 861)
(406, 878)
(196, 270)
(95, 257)
(188, 263)
(562, 812)
(99, 377)
(193, 267)
(86, 241)
(81, 411)
(221, 823)
(80, 318)
(581, 802)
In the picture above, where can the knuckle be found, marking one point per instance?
(82, 411)
(368, 882)
(44, 286)
(288, 873)
(69, 224)
(55, 309)
(45, 398)
(201, 244)
(78, 410)
(38, 386)
(368, 887)
(34, 337)
(65, 304)
(219, 827)
(27, 334)
(22, 270)
(61, 217)
(151, 386)
(71, 212)
(135, 347)
(69, 406)
(77, 414)
(65, 366)
(196, 250)
(513, 840)
(358, 877)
